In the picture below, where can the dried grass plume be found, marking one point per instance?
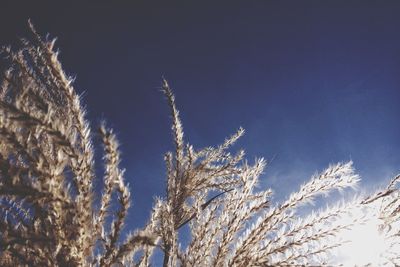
(49, 218)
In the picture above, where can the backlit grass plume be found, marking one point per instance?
(49, 218)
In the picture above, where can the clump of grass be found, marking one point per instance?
(47, 176)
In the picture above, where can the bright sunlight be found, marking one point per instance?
(366, 245)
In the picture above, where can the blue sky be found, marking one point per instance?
(312, 82)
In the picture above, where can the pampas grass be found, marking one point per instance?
(47, 173)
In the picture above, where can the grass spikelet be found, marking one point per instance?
(48, 214)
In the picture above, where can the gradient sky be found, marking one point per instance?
(312, 82)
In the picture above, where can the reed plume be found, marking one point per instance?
(47, 172)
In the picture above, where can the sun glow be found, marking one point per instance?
(366, 244)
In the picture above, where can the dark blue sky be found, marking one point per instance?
(312, 82)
